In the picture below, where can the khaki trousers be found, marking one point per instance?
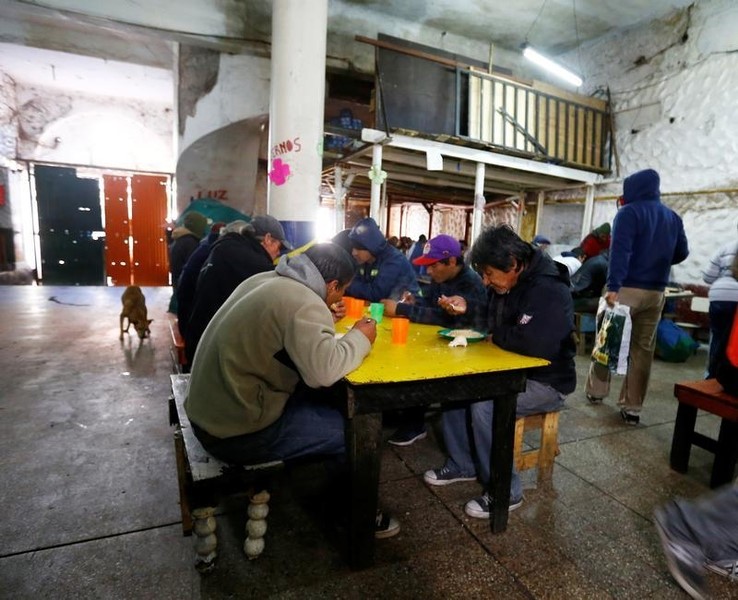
(645, 312)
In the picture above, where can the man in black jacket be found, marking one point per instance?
(234, 258)
(529, 311)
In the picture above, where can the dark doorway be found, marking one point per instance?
(70, 227)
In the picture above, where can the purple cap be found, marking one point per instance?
(438, 248)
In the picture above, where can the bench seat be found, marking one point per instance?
(177, 348)
(707, 395)
(203, 480)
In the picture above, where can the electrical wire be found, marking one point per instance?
(538, 16)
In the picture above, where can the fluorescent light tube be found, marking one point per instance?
(551, 66)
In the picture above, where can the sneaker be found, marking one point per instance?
(684, 560)
(630, 418)
(594, 399)
(405, 437)
(479, 508)
(386, 526)
(726, 568)
(445, 476)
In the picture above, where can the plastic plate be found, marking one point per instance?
(473, 336)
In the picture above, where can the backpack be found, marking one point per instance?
(673, 344)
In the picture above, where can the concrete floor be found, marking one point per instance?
(90, 501)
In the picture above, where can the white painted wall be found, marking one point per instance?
(675, 113)
(241, 92)
(81, 129)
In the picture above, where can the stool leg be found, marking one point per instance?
(206, 543)
(549, 446)
(681, 443)
(726, 454)
(256, 526)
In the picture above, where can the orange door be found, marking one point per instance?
(135, 224)
(148, 228)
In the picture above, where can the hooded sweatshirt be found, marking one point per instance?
(389, 275)
(274, 331)
(647, 237)
(536, 318)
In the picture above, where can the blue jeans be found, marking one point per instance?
(537, 397)
(709, 522)
(307, 427)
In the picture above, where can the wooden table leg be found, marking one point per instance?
(501, 460)
(681, 442)
(726, 454)
(363, 444)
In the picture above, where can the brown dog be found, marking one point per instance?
(134, 309)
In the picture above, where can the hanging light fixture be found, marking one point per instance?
(545, 62)
(554, 68)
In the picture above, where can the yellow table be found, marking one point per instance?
(425, 371)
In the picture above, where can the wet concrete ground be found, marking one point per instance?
(90, 501)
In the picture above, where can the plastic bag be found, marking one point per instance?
(673, 344)
(612, 343)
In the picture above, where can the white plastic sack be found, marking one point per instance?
(612, 344)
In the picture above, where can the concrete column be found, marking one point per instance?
(296, 114)
(479, 202)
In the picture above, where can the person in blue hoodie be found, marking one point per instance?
(383, 271)
(528, 311)
(647, 239)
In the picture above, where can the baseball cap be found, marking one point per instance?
(264, 224)
(438, 248)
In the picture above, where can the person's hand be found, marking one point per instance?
(611, 298)
(368, 327)
(453, 305)
(338, 310)
(390, 307)
(407, 298)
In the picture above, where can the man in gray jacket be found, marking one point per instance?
(253, 394)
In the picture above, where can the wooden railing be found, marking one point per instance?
(536, 120)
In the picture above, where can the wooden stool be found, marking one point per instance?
(707, 395)
(543, 457)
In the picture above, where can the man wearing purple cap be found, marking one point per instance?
(445, 266)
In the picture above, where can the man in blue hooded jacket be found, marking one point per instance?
(383, 271)
(647, 238)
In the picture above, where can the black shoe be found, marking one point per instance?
(630, 418)
(594, 399)
(406, 437)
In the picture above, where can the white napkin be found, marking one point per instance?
(458, 341)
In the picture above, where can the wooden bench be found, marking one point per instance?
(543, 457)
(203, 480)
(707, 395)
(177, 349)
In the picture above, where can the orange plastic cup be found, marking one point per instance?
(400, 328)
(354, 307)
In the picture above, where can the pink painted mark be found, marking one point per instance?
(280, 172)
